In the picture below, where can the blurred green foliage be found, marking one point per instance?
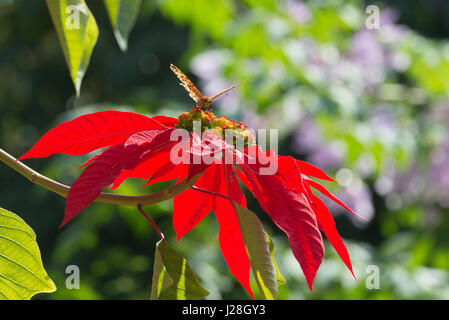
(368, 106)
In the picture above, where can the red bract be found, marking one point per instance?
(141, 147)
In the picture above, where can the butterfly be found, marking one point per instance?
(200, 100)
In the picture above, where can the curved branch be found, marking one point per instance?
(110, 198)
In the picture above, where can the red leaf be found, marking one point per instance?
(168, 171)
(230, 236)
(310, 170)
(243, 178)
(158, 143)
(194, 169)
(88, 161)
(166, 121)
(146, 168)
(107, 166)
(233, 187)
(289, 170)
(292, 214)
(92, 131)
(147, 137)
(202, 151)
(324, 191)
(191, 206)
(157, 154)
(231, 242)
(327, 225)
(256, 158)
(98, 175)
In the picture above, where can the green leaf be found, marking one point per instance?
(123, 15)
(22, 274)
(260, 252)
(280, 280)
(173, 279)
(77, 32)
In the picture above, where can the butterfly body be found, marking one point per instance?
(202, 102)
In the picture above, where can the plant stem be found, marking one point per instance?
(233, 203)
(212, 193)
(156, 228)
(110, 198)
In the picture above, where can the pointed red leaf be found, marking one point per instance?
(288, 169)
(231, 242)
(232, 185)
(310, 170)
(168, 122)
(146, 168)
(292, 214)
(106, 167)
(243, 179)
(258, 160)
(157, 154)
(88, 161)
(146, 137)
(324, 191)
(98, 175)
(168, 171)
(230, 236)
(90, 132)
(191, 206)
(194, 169)
(327, 224)
(202, 151)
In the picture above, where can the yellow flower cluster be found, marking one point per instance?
(209, 121)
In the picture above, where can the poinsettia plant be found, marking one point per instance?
(210, 165)
(209, 157)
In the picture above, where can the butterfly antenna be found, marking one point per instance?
(226, 90)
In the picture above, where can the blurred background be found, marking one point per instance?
(370, 107)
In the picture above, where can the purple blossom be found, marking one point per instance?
(366, 49)
(298, 11)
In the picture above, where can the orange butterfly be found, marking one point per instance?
(200, 100)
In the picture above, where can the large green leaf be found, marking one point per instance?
(173, 279)
(77, 32)
(22, 274)
(260, 250)
(123, 15)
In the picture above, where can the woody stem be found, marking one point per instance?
(110, 198)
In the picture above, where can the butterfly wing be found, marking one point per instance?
(193, 91)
